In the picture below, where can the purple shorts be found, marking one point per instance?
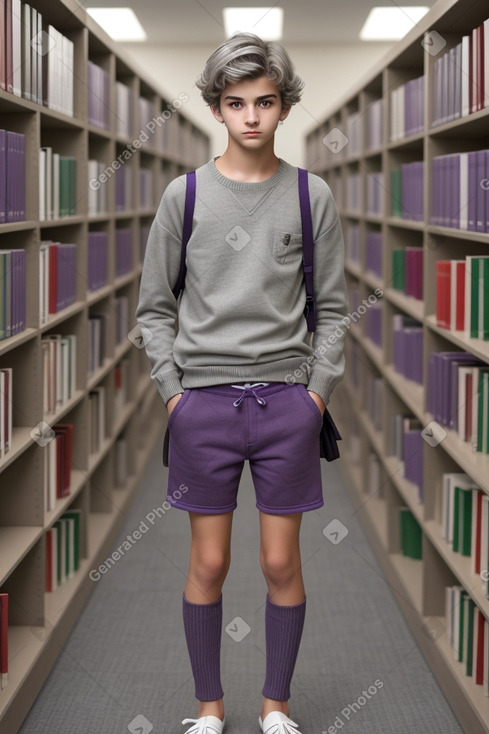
(214, 429)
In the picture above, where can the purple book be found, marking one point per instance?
(413, 458)
(443, 378)
(374, 252)
(486, 187)
(481, 194)
(473, 190)
(3, 176)
(454, 191)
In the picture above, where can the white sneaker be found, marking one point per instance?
(278, 723)
(205, 725)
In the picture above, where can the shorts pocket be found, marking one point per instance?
(179, 406)
(287, 247)
(310, 402)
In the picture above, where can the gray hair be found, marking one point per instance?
(246, 56)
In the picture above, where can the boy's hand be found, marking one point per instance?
(317, 399)
(172, 402)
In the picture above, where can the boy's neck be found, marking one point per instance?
(247, 166)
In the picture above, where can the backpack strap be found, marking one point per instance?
(307, 248)
(187, 230)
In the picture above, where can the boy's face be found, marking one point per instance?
(251, 105)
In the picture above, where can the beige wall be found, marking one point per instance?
(327, 71)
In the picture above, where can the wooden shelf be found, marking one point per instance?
(40, 621)
(418, 585)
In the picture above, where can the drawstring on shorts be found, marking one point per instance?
(246, 389)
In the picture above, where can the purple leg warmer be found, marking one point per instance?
(203, 629)
(283, 631)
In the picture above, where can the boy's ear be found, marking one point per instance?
(285, 112)
(217, 114)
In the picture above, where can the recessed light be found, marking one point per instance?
(391, 23)
(121, 24)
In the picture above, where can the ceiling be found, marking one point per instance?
(190, 22)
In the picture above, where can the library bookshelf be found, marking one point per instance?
(357, 149)
(109, 400)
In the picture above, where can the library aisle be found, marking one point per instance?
(125, 665)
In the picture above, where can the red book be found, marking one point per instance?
(53, 278)
(458, 290)
(479, 660)
(49, 565)
(65, 433)
(443, 285)
(3, 639)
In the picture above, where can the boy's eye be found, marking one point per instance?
(267, 102)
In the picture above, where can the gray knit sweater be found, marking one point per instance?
(240, 317)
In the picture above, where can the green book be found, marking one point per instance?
(484, 316)
(462, 625)
(64, 186)
(456, 520)
(398, 269)
(396, 193)
(469, 610)
(464, 519)
(411, 534)
(474, 297)
(482, 412)
(75, 515)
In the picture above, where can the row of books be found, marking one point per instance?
(3, 639)
(59, 370)
(461, 77)
(458, 396)
(121, 319)
(354, 134)
(459, 191)
(98, 274)
(63, 549)
(35, 63)
(124, 122)
(407, 271)
(407, 191)
(57, 184)
(353, 192)
(373, 323)
(12, 176)
(57, 443)
(57, 271)
(12, 292)
(97, 189)
(468, 635)
(98, 96)
(96, 419)
(121, 386)
(375, 124)
(352, 241)
(97, 340)
(375, 193)
(407, 347)
(410, 534)
(6, 392)
(146, 188)
(123, 189)
(123, 251)
(465, 521)
(407, 446)
(462, 295)
(373, 252)
(407, 109)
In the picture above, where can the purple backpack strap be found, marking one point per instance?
(307, 248)
(187, 230)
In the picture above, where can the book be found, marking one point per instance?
(411, 534)
(4, 605)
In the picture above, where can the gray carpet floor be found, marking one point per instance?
(125, 666)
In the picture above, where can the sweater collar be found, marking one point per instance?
(247, 185)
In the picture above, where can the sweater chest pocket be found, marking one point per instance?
(287, 247)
